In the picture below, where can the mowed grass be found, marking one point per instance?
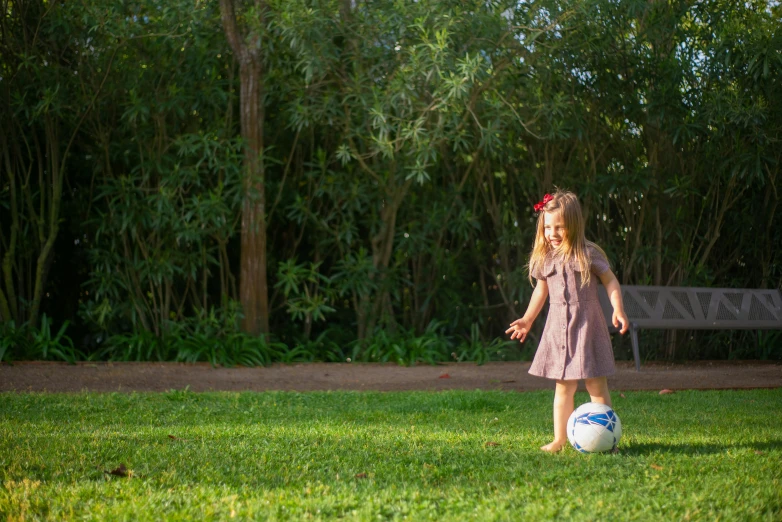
(457, 455)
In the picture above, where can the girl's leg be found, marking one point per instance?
(598, 390)
(563, 407)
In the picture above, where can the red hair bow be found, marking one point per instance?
(539, 205)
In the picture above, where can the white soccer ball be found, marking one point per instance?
(593, 428)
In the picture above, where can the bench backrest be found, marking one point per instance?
(671, 307)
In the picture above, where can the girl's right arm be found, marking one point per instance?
(520, 327)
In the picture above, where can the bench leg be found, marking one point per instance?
(636, 351)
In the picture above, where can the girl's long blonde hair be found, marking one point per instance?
(575, 244)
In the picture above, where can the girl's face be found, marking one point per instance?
(554, 228)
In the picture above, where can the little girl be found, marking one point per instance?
(575, 343)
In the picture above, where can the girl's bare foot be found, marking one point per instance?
(553, 447)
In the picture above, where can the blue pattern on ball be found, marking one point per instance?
(579, 448)
(608, 419)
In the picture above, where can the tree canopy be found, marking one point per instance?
(402, 147)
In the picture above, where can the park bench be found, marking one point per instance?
(688, 308)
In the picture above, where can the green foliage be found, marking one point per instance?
(404, 347)
(180, 345)
(476, 350)
(405, 143)
(301, 285)
(162, 232)
(212, 337)
(768, 346)
(11, 337)
(331, 345)
(434, 346)
(37, 343)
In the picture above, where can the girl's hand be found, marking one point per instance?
(620, 317)
(519, 329)
(615, 296)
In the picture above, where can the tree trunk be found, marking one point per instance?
(253, 287)
(254, 293)
(47, 239)
(658, 248)
(382, 248)
(8, 308)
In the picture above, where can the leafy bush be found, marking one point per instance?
(211, 337)
(476, 350)
(433, 346)
(215, 338)
(26, 342)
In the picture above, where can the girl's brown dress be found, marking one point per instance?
(575, 343)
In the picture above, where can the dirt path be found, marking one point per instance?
(511, 376)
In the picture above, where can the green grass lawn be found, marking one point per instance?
(366, 456)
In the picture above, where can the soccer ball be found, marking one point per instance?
(593, 428)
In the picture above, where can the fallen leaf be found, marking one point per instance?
(172, 437)
(758, 452)
(622, 395)
(121, 471)
(490, 443)
(655, 466)
(666, 391)
(445, 376)
(361, 475)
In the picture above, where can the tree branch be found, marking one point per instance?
(228, 18)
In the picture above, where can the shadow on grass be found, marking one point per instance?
(698, 449)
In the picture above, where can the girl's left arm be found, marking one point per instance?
(615, 296)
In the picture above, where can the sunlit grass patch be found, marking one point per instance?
(359, 455)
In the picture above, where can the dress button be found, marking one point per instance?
(563, 285)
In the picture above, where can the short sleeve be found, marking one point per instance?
(599, 264)
(537, 272)
(544, 269)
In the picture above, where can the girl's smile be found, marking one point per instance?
(554, 228)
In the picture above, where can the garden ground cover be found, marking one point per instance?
(451, 455)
